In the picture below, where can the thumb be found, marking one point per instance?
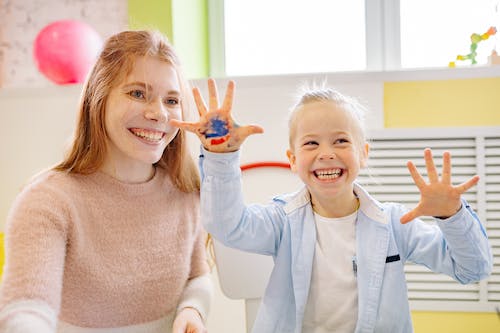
(249, 130)
(188, 126)
(411, 215)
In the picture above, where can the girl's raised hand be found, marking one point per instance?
(438, 197)
(216, 128)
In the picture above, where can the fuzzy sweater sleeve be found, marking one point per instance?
(35, 241)
(198, 291)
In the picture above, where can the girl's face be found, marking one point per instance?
(327, 154)
(137, 113)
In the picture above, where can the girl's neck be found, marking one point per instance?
(336, 207)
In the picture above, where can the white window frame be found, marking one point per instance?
(383, 46)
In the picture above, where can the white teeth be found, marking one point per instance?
(328, 174)
(148, 135)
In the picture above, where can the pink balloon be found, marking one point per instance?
(64, 51)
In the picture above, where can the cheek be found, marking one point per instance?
(175, 114)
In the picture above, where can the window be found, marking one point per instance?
(321, 36)
(265, 37)
(433, 33)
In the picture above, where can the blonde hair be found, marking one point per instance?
(320, 93)
(114, 64)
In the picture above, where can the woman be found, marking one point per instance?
(109, 240)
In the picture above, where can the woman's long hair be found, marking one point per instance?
(114, 64)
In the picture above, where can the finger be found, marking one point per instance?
(191, 127)
(446, 176)
(213, 101)
(200, 103)
(249, 130)
(228, 99)
(431, 168)
(417, 178)
(411, 215)
(467, 185)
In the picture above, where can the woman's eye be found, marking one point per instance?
(139, 94)
(172, 101)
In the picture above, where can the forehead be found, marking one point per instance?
(154, 72)
(323, 115)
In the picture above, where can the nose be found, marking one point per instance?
(327, 154)
(156, 110)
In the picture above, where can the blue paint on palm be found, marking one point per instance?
(218, 128)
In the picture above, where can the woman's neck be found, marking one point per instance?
(129, 174)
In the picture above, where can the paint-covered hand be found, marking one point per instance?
(439, 197)
(216, 128)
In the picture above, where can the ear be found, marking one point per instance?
(291, 159)
(364, 155)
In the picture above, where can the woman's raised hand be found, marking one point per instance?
(216, 128)
(438, 197)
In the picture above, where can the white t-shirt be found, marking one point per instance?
(332, 305)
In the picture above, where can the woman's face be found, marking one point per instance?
(137, 113)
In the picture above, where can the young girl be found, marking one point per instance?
(109, 240)
(338, 253)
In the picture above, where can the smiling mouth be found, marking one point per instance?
(328, 174)
(148, 135)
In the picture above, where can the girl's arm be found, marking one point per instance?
(224, 214)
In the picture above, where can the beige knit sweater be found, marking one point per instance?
(102, 253)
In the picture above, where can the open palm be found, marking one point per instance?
(438, 197)
(216, 128)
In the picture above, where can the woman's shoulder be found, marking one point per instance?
(52, 180)
(51, 187)
(46, 196)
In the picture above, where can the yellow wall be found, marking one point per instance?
(455, 322)
(442, 103)
(184, 22)
(445, 103)
(151, 14)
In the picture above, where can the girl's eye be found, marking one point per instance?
(310, 143)
(342, 140)
(139, 94)
(172, 101)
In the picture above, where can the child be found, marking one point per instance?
(338, 253)
(109, 240)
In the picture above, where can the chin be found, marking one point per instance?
(150, 159)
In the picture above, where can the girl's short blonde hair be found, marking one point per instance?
(320, 93)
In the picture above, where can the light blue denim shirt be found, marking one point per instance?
(284, 229)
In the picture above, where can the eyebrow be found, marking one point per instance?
(314, 135)
(148, 87)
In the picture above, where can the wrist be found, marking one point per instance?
(447, 217)
(192, 310)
